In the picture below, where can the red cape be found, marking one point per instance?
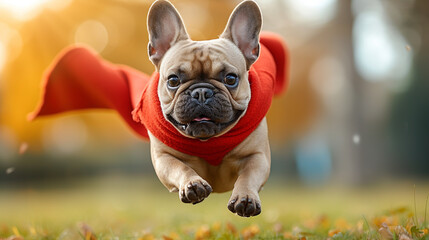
(80, 79)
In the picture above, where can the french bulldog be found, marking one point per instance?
(204, 91)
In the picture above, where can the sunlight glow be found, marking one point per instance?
(2, 56)
(23, 9)
(27, 9)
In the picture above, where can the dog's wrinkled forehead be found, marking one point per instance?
(203, 59)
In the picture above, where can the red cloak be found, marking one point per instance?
(79, 79)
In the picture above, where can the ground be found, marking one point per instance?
(118, 207)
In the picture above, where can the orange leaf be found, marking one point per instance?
(16, 232)
(13, 237)
(87, 232)
(216, 226)
(202, 233)
(250, 232)
(231, 228)
(332, 232)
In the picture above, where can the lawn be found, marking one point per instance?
(118, 207)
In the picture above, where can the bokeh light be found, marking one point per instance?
(57, 5)
(313, 159)
(380, 51)
(328, 77)
(67, 135)
(92, 33)
(316, 12)
(11, 40)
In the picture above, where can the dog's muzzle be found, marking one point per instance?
(202, 111)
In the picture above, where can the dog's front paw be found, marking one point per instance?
(195, 191)
(244, 205)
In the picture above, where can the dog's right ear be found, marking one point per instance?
(165, 27)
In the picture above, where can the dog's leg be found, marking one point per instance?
(245, 198)
(253, 172)
(178, 176)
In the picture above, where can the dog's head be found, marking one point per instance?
(203, 85)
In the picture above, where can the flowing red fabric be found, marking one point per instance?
(80, 79)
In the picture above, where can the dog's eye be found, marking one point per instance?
(173, 81)
(231, 80)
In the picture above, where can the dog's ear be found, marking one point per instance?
(165, 27)
(243, 28)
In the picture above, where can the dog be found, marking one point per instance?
(205, 93)
(203, 109)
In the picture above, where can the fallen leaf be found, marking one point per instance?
(324, 222)
(32, 231)
(250, 232)
(147, 236)
(174, 235)
(203, 232)
(332, 232)
(402, 233)
(385, 232)
(13, 237)
(15, 231)
(389, 220)
(296, 230)
(87, 231)
(359, 226)
(231, 228)
(216, 226)
(306, 234)
(288, 235)
(278, 227)
(399, 210)
(342, 224)
(404, 237)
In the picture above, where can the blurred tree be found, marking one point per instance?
(410, 112)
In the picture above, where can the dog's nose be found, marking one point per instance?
(202, 94)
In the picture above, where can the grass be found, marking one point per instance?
(140, 208)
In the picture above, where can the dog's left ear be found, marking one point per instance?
(165, 27)
(243, 28)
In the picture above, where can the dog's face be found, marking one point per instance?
(203, 86)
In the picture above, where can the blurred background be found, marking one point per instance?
(356, 110)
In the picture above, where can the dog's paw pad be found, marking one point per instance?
(245, 206)
(195, 192)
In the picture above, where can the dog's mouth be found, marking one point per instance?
(203, 127)
(201, 119)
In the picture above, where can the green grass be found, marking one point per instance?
(141, 208)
